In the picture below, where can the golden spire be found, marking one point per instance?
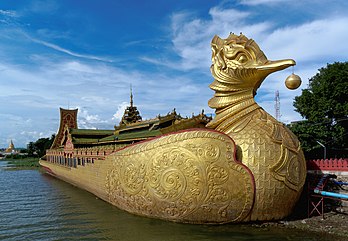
(131, 96)
(131, 113)
(10, 147)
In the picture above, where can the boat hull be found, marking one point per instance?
(190, 176)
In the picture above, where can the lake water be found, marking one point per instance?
(36, 206)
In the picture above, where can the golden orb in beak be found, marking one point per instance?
(293, 81)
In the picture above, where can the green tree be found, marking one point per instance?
(324, 106)
(39, 147)
(31, 149)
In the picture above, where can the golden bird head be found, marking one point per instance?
(240, 64)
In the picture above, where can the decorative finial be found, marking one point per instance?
(131, 96)
(293, 81)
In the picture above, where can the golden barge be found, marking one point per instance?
(240, 166)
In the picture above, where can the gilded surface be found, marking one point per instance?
(266, 146)
(251, 168)
(188, 177)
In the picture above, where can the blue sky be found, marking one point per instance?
(85, 54)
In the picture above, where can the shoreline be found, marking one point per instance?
(334, 225)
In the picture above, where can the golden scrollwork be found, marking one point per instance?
(188, 177)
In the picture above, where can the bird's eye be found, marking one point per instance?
(242, 59)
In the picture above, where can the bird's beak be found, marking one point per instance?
(269, 67)
(273, 66)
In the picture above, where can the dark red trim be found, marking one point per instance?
(48, 170)
(338, 165)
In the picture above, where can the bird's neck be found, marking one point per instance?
(232, 108)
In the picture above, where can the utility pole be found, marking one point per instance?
(324, 148)
(277, 106)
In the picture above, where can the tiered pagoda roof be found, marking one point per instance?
(131, 113)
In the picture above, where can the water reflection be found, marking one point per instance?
(35, 206)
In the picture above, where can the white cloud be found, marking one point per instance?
(31, 136)
(192, 36)
(161, 62)
(85, 120)
(321, 39)
(43, 6)
(9, 18)
(119, 112)
(8, 13)
(262, 2)
(69, 52)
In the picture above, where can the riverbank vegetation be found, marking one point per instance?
(22, 162)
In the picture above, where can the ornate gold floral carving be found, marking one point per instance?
(289, 169)
(187, 177)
